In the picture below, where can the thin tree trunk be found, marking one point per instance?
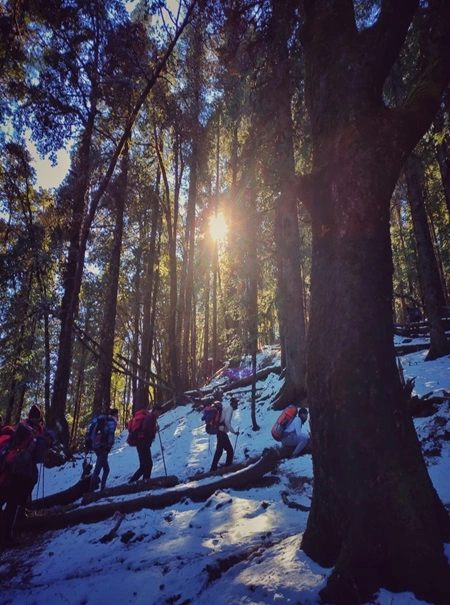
(429, 272)
(443, 156)
(149, 287)
(71, 286)
(80, 234)
(205, 365)
(102, 392)
(171, 216)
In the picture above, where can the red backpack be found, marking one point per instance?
(135, 432)
(5, 438)
(15, 453)
(211, 416)
(284, 420)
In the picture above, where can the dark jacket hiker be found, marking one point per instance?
(100, 439)
(26, 449)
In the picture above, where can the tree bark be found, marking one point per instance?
(71, 286)
(102, 393)
(430, 278)
(150, 286)
(290, 286)
(80, 233)
(443, 156)
(375, 515)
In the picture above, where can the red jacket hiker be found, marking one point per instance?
(26, 449)
(146, 435)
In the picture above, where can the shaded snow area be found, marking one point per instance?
(239, 547)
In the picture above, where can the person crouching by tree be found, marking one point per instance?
(27, 448)
(223, 441)
(101, 444)
(293, 435)
(148, 427)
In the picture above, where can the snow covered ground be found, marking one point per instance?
(239, 547)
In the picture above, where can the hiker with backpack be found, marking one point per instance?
(5, 437)
(223, 441)
(100, 439)
(293, 436)
(26, 448)
(142, 430)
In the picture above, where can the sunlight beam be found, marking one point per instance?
(218, 227)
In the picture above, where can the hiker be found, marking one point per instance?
(103, 447)
(146, 433)
(6, 432)
(223, 441)
(414, 314)
(293, 435)
(28, 447)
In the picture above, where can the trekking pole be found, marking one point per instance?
(235, 443)
(40, 480)
(162, 452)
(38, 483)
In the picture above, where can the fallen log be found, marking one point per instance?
(93, 514)
(282, 452)
(131, 488)
(81, 490)
(223, 470)
(63, 498)
(240, 382)
(248, 380)
(294, 505)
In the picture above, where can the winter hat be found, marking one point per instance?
(35, 412)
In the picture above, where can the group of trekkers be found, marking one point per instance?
(24, 447)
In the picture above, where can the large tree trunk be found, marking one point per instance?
(290, 286)
(375, 515)
(372, 493)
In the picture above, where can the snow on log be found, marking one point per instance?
(47, 520)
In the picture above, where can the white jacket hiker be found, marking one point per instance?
(225, 420)
(223, 441)
(293, 435)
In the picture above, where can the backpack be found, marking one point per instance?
(97, 433)
(135, 432)
(211, 416)
(283, 421)
(16, 453)
(5, 442)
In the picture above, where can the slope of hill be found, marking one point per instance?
(237, 546)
